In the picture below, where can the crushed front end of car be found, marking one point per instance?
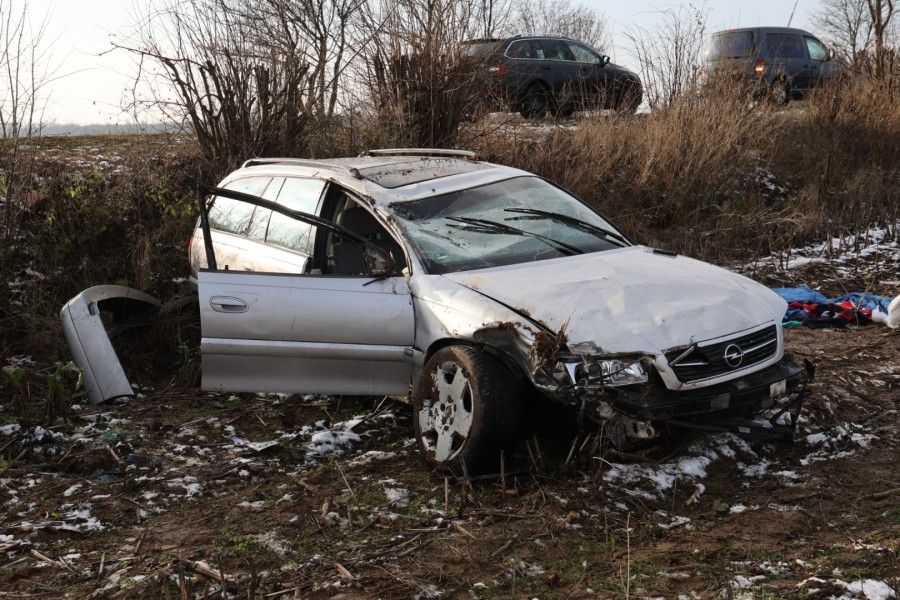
(644, 342)
(630, 397)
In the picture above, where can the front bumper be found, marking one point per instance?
(736, 398)
(642, 411)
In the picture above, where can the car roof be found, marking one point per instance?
(764, 29)
(521, 36)
(387, 176)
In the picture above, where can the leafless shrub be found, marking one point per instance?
(579, 22)
(881, 13)
(846, 26)
(248, 80)
(24, 71)
(669, 54)
(421, 84)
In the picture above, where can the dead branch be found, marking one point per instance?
(885, 494)
(505, 546)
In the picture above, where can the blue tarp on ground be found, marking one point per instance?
(816, 310)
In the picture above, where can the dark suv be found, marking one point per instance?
(789, 62)
(540, 74)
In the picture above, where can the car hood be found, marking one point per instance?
(629, 300)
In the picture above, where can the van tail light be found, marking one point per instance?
(760, 68)
(704, 75)
(497, 70)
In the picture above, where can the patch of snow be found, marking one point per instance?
(325, 443)
(397, 496)
(871, 589)
(10, 428)
(676, 522)
(371, 456)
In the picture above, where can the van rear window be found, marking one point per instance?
(737, 44)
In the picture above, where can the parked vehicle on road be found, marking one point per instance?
(463, 287)
(785, 63)
(539, 74)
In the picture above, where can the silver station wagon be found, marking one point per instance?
(463, 287)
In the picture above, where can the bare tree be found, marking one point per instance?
(248, 78)
(561, 18)
(24, 72)
(669, 54)
(845, 24)
(319, 30)
(422, 85)
(880, 13)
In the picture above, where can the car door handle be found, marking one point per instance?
(227, 304)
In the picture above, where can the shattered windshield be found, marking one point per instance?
(518, 220)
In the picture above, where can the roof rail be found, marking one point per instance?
(302, 162)
(467, 154)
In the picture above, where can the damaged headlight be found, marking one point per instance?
(592, 371)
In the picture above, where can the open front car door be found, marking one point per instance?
(318, 332)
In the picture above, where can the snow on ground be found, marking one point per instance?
(867, 251)
(209, 456)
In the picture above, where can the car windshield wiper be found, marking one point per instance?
(577, 223)
(486, 226)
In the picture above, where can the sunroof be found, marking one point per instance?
(418, 170)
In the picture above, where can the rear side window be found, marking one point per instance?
(738, 44)
(478, 49)
(525, 49)
(782, 45)
(301, 195)
(556, 50)
(260, 221)
(234, 216)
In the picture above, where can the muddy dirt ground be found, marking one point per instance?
(179, 494)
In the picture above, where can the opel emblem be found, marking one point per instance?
(733, 356)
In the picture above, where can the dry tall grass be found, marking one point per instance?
(716, 177)
(721, 176)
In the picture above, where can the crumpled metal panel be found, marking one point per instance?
(633, 300)
(89, 342)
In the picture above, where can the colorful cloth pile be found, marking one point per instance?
(813, 309)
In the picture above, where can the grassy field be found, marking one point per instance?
(154, 497)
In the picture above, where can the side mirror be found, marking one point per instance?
(379, 262)
(604, 60)
(831, 54)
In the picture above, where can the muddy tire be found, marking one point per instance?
(534, 103)
(781, 93)
(629, 98)
(566, 111)
(466, 410)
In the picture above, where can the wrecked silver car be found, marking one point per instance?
(463, 286)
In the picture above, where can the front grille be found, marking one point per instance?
(707, 361)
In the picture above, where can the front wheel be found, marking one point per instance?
(534, 103)
(629, 98)
(466, 409)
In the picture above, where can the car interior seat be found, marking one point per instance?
(348, 253)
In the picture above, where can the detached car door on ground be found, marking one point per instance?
(334, 327)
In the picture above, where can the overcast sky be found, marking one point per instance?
(91, 80)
